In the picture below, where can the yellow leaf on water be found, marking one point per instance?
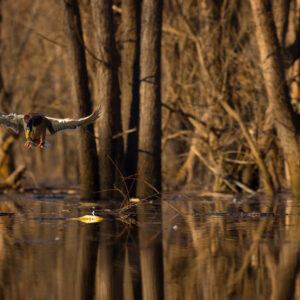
(88, 219)
(134, 200)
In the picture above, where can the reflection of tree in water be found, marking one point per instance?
(29, 258)
(150, 243)
(45, 255)
(40, 257)
(221, 250)
(212, 249)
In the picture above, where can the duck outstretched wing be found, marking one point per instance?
(12, 121)
(56, 125)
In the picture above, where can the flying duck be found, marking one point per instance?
(35, 125)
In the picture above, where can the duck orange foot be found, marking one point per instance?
(41, 145)
(28, 144)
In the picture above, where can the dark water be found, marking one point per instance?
(189, 248)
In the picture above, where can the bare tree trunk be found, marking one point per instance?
(281, 13)
(88, 160)
(149, 156)
(128, 57)
(6, 140)
(277, 90)
(130, 81)
(111, 150)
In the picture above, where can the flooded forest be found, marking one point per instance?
(187, 186)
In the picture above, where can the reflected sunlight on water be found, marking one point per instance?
(231, 248)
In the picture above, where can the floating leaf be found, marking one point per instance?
(134, 200)
(88, 219)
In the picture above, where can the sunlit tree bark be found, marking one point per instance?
(6, 140)
(149, 146)
(281, 12)
(130, 81)
(272, 68)
(88, 160)
(111, 150)
(128, 59)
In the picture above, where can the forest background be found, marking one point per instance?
(225, 80)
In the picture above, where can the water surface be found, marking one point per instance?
(187, 248)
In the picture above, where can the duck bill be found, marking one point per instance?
(27, 133)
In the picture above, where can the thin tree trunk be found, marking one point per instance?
(130, 82)
(111, 150)
(128, 54)
(276, 87)
(149, 156)
(281, 14)
(6, 140)
(88, 160)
